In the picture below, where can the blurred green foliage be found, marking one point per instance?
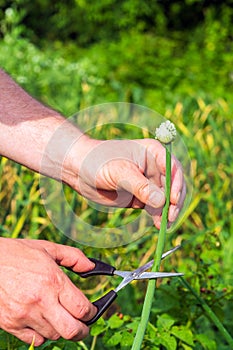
(146, 52)
(176, 58)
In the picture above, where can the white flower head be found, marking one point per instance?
(166, 132)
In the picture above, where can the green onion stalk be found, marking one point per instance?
(166, 133)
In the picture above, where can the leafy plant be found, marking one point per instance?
(185, 74)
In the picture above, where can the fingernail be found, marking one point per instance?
(157, 199)
(174, 215)
(157, 224)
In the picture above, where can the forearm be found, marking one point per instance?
(34, 135)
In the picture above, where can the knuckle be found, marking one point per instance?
(143, 191)
(9, 325)
(20, 313)
(55, 336)
(38, 341)
(84, 311)
(71, 333)
(54, 279)
(12, 319)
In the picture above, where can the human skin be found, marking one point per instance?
(122, 173)
(36, 298)
(44, 141)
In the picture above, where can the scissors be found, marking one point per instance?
(101, 268)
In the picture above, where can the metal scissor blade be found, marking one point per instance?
(154, 275)
(170, 251)
(130, 276)
(124, 274)
(150, 263)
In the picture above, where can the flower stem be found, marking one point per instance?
(157, 258)
(93, 344)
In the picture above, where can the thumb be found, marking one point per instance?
(144, 190)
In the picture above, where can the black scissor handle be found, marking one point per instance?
(101, 268)
(102, 305)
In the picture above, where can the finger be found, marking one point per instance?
(157, 221)
(174, 210)
(64, 255)
(177, 184)
(27, 335)
(76, 303)
(173, 213)
(72, 257)
(144, 190)
(43, 327)
(156, 171)
(163, 181)
(177, 180)
(39, 324)
(65, 324)
(156, 215)
(120, 198)
(152, 172)
(137, 204)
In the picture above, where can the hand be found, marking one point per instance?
(37, 299)
(122, 173)
(128, 173)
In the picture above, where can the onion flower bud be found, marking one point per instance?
(166, 132)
